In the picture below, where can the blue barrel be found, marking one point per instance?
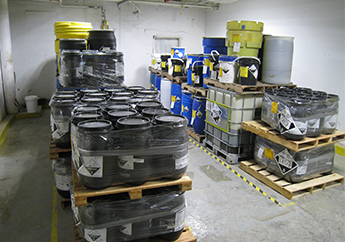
(214, 43)
(199, 114)
(187, 105)
(176, 98)
(152, 80)
(190, 60)
(158, 83)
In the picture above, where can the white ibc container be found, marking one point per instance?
(277, 59)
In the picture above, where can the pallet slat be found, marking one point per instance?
(197, 137)
(81, 193)
(259, 88)
(293, 190)
(260, 128)
(200, 90)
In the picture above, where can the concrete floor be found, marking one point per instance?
(221, 206)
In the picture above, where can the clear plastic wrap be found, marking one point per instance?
(91, 68)
(160, 212)
(63, 175)
(293, 166)
(135, 155)
(301, 112)
(59, 118)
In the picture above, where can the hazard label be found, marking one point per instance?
(92, 166)
(285, 162)
(97, 235)
(127, 162)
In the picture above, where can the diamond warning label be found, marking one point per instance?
(97, 235)
(285, 162)
(92, 166)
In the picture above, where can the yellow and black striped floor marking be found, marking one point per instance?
(240, 176)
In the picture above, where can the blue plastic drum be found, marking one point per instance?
(199, 114)
(158, 83)
(190, 60)
(152, 80)
(187, 105)
(176, 98)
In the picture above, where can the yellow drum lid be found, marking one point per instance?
(245, 25)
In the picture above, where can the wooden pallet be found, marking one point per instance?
(186, 236)
(176, 79)
(258, 88)
(263, 130)
(196, 136)
(81, 193)
(288, 189)
(155, 71)
(200, 90)
(56, 152)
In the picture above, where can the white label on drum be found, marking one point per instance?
(301, 170)
(285, 162)
(289, 125)
(172, 105)
(92, 166)
(192, 121)
(204, 70)
(196, 79)
(126, 229)
(181, 162)
(261, 152)
(119, 68)
(189, 61)
(330, 121)
(127, 162)
(95, 235)
(237, 46)
(63, 181)
(180, 219)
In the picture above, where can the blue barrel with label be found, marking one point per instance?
(152, 80)
(176, 98)
(158, 83)
(187, 105)
(198, 114)
(190, 61)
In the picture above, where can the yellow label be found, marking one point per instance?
(220, 72)
(150, 85)
(269, 153)
(207, 62)
(177, 68)
(236, 38)
(173, 99)
(193, 77)
(274, 108)
(211, 66)
(172, 52)
(163, 64)
(244, 71)
(154, 61)
(193, 113)
(182, 108)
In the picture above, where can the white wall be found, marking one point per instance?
(318, 28)
(32, 31)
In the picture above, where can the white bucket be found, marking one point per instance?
(31, 103)
(166, 92)
(227, 69)
(277, 59)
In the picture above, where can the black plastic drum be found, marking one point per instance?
(151, 113)
(148, 104)
(100, 39)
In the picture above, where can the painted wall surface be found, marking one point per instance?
(32, 31)
(318, 28)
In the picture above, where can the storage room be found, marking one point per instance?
(172, 120)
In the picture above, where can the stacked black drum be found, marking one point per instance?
(297, 113)
(124, 136)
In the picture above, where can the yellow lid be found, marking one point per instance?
(245, 25)
(72, 35)
(67, 23)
